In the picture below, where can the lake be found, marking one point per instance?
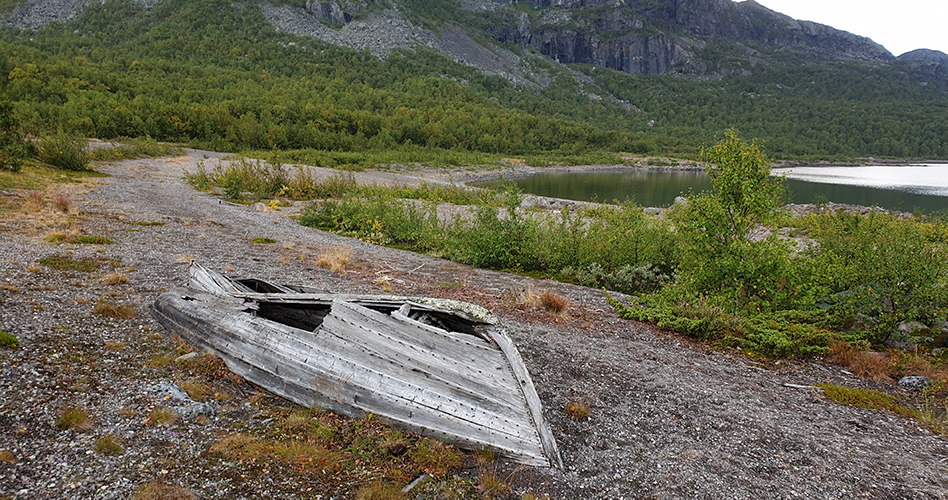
(902, 188)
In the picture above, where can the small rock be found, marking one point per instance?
(914, 382)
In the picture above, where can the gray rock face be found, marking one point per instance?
(925, 56)
(914, 382)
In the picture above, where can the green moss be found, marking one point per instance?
(866, 398)
(61, 263)
(8, 340)
(94, 240)
(264, 241)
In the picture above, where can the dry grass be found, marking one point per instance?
(114, 311)
(7, 456)
(160, 491)
(75, 419)
(196, 390)
(109, 445)
(62, 203)
(113, 346)
(162, 416)
(32, 202)
(875, 366)
(551, 302)
(435, 457)
(554, 303)
(580, 409)
(385, 284)
(34, 269)
(9, 287)
(334, 257)
(185, 257)
(205, 364)
(380, 491)
(115, 279)
(492, 485)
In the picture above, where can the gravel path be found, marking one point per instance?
(670, 419)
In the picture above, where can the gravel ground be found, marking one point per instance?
(670, 419)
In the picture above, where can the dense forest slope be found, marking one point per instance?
(467, 81)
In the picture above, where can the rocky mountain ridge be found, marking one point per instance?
(697, 38)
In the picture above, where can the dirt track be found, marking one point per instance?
(669, 419)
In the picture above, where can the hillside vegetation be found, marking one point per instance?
(217, 75)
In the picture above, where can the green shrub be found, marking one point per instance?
(64, 151)
(8, 340)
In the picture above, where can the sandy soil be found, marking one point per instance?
(670, 419)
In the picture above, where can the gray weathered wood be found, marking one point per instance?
(469, 388)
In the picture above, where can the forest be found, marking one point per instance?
(217, 75)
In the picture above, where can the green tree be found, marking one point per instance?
(726, 246)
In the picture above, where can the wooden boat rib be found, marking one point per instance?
(442, 368)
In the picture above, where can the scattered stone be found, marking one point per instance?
(914, 382)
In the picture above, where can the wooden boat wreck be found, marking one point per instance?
(442, 368)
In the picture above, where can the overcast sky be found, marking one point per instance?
(899, 26)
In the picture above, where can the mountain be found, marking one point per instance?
(926, 56)
(363, 81)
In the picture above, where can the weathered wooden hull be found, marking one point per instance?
(366, 354)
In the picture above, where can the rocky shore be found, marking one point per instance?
(669, 419)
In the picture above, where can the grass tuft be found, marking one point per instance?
(61, 263)
(435, 457)
(61, 203)
(334, 257)
(7, 457)
(205, 364)
(75, 419)
(162, 416)
(380, 491)
(196, 391)
(580, 409)
(264, 241)
(871, 365)
(9, 287)
(108, 445)
(115, 279)
(554, 303)
(114, 311)
(93, 240)
(492, 485)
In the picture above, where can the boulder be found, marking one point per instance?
(914, 382)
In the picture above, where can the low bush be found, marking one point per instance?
(64, 151)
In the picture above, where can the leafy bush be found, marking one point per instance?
(64, 151)
(627, 279)
(13, 149)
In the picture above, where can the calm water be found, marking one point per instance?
(893, 188)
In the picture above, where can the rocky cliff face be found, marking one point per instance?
(663, 36)
(691, 37)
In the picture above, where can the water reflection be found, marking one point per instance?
(895, 188)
